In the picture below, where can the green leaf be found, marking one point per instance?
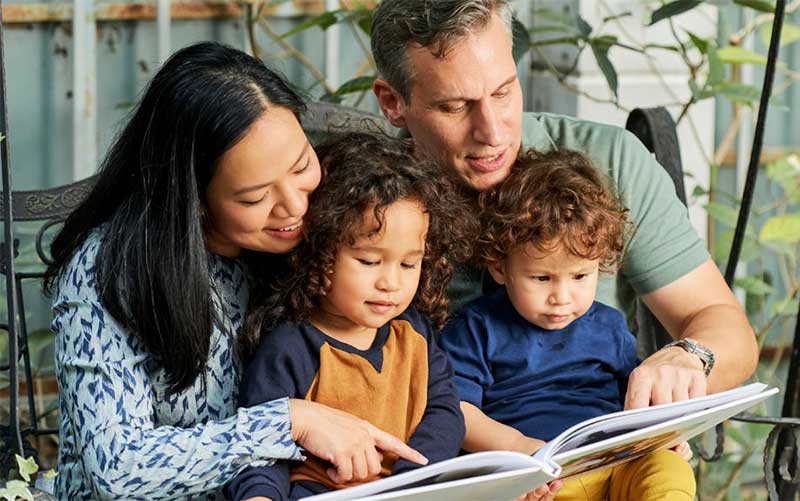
(724, 242)
(357, 84)
(716, 70)
(739, 55)
(614, 17)
(739, 93)
(324, 21)
(575, 24)
(785, 228)
(786, 306)
(790, 33)
(364, 20)
(759, 5)
(700, 43)
(26, 467)
(724, 214)
(673, 9)
(753, 286)
(521, 39)
(16, 489)
(601, 55)
(699, 191)
(786, 172)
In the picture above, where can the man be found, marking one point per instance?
(448, 76)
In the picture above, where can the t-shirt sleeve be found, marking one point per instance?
(281, 367)
(626, 350)
(664, 245)
(108, 405)
(440, 433)
(464, 341)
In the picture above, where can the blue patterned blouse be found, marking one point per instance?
(121, 436)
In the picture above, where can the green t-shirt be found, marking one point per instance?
(664, 246)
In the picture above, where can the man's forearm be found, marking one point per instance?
(724, 329)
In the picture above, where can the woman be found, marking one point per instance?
(149, 296)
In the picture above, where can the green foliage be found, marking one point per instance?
(673, 9)
(16, 489)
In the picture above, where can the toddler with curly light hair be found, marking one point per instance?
(540, 354)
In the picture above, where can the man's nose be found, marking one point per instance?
(487, 127)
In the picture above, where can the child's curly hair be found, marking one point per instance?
(364, 171)
(549, 200)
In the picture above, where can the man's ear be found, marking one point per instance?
(496, 269)
(391, 102)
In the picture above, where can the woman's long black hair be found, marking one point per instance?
(152, 268)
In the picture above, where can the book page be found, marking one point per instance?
(636, 443)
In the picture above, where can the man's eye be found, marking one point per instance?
(454, 108)
(367, 262)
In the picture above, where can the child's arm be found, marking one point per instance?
(486, 434)
(441, 430)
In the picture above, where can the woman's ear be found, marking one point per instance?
(496, 269)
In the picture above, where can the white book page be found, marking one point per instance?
(460, 471)
(617, 423)
(637, 443)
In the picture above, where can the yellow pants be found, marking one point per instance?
(660, 476)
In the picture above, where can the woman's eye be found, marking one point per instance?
(304, 167)
(367, 262)
(409, 266)
(253, 202)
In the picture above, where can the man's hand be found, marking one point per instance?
(546, 492)
(668, 375)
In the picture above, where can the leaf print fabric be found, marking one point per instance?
(121, 436)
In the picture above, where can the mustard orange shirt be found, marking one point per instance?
(403, 384)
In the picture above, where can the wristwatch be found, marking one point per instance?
(702, 352)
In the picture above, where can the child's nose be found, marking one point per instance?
(389, 280)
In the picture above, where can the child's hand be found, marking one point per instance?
(546, 492)
(527, 445)
(349, 443)
(684, 450)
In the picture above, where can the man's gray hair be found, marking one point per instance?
(437, 24)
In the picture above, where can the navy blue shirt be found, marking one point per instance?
(539, 381)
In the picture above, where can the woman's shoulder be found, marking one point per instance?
(78, 275)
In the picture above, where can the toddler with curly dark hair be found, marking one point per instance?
(347, 325)
(540, 354)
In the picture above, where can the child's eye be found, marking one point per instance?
(580, 276)
(541, 278)
(367, 262)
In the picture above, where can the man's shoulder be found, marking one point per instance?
(600, 141)
(560, 127)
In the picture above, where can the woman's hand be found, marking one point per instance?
(546, 492)
(349, 443)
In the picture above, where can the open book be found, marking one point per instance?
(590, 445)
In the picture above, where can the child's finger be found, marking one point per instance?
(389, 443)
(373, 459)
